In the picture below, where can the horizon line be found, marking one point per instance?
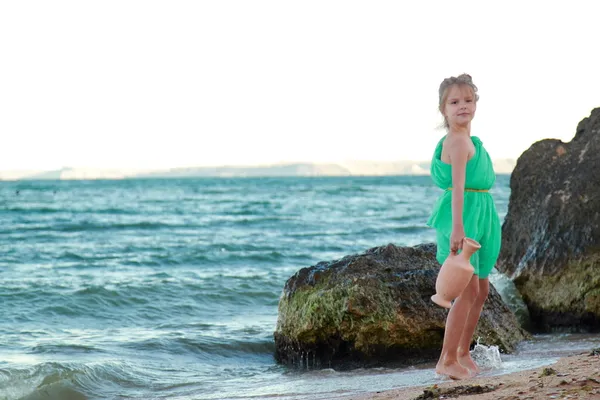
(249, 165)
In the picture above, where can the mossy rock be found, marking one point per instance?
(374, 308)
(567, 299)
(551, 233)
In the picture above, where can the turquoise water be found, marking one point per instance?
(168, 288)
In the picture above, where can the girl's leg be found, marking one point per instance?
(457, 317)
(464, 356)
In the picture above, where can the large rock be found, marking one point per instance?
(375, 308)
(551, 234)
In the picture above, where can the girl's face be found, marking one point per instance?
(459, 108)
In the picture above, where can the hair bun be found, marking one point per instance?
(465, 78)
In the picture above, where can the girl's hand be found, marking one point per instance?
(456, 239)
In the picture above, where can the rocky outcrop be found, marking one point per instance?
(375, 308)
(551, 234)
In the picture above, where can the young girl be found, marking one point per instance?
(463, 168)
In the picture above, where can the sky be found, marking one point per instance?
(166, 84)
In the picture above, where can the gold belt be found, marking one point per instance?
(473, 190)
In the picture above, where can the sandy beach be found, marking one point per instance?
(572, 377)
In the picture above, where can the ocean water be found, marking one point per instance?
(168, 288)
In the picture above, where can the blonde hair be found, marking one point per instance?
(461, 80)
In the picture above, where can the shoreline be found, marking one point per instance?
(571, 377)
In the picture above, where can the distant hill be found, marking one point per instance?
(351, 168)
(306, 169)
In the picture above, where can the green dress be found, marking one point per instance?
(480, 218)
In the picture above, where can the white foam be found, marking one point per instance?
(486, 357)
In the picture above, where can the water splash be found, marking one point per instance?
(511, 296)
(486, 357)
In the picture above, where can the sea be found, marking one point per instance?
(168, 288)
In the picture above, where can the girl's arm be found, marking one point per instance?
(458, 151)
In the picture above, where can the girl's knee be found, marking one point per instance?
(483, 290)
(471, 292)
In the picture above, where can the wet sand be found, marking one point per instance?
(572, 377)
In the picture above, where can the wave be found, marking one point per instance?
(259, 220)
(206, 347)
(48, 381)
(149, 298)
(395, 229)
(346, 190)
(68, 381)
(40, 210)
(69, 211)
(216, 255)
(61, 348)
(93, 226)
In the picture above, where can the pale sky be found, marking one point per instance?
(163, 84)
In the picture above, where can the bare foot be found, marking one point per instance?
(452, 370)
(467, 362)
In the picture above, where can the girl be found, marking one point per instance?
(463, 168)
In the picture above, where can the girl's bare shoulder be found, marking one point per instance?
(457, 143)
